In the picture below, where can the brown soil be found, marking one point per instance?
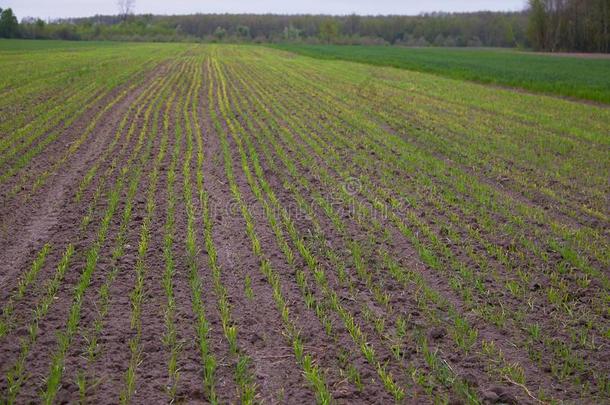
(30, 218)
(573, 54)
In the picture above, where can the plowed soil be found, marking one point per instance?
(387, 225)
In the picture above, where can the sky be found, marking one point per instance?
(83, 8)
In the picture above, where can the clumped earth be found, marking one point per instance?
(223, 224)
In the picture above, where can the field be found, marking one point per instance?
(575, 76)
(219, 224)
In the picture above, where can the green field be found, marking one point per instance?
(190, 223)
(579, 77)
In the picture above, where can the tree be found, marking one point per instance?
(291, 33)
(31, 28)
(220, 33)
(509, 35)
(243, 31)
(439, 40)
(9, 27)
(352, 24)
(537, 30)
(329, 29)
(126, 8)
(573, 25)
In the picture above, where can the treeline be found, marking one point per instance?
(575, 25)
(554, 25)
(494, 29)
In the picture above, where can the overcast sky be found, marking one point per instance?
(81, 8)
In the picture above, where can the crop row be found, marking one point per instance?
(326, 157)
(92, 254)
(375, 238)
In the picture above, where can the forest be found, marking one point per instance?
(548, 25)
(578, 25)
